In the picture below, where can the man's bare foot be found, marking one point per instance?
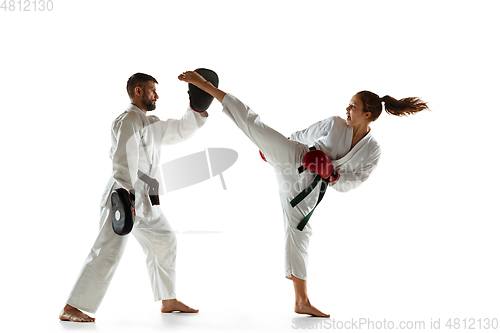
(70, 313)
(307, 308)
(171, 305)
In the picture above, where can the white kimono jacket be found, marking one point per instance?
(136, 141)
(333, 136)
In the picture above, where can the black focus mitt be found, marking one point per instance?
(199, 99)
(123, 211)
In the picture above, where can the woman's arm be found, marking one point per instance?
(313, 132)
(351, 176)
(199, 81)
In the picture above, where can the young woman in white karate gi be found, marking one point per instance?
(348, 143)
(136, 145)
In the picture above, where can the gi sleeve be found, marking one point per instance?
(126, 138)
(351, 178)
(313, 132)
(178, 130)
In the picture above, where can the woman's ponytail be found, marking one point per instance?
(403, 107)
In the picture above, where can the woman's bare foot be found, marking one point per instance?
(302, 304)
(192, 77)
(70, 313)
(171, 305)
(199, 81)
(307, 308)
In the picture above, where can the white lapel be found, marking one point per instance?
(354, 149)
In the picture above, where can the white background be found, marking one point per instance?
(418, 240)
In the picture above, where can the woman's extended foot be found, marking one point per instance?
(307, 308)
(199, 81)
(193, 78)
(70, 313)
(171, 305)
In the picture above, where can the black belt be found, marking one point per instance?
(153, 187)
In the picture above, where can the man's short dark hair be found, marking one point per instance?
(138, 79)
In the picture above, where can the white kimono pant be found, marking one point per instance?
(159, 243)
(286, 157)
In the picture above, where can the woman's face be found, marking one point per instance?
(355, 114)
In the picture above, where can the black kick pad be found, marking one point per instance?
(200, 100)
(121, 210)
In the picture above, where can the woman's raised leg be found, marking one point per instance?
(277, 149)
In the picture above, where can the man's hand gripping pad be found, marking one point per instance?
(200, 100)
(122, 210)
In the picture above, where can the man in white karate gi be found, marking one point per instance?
(136, 141)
